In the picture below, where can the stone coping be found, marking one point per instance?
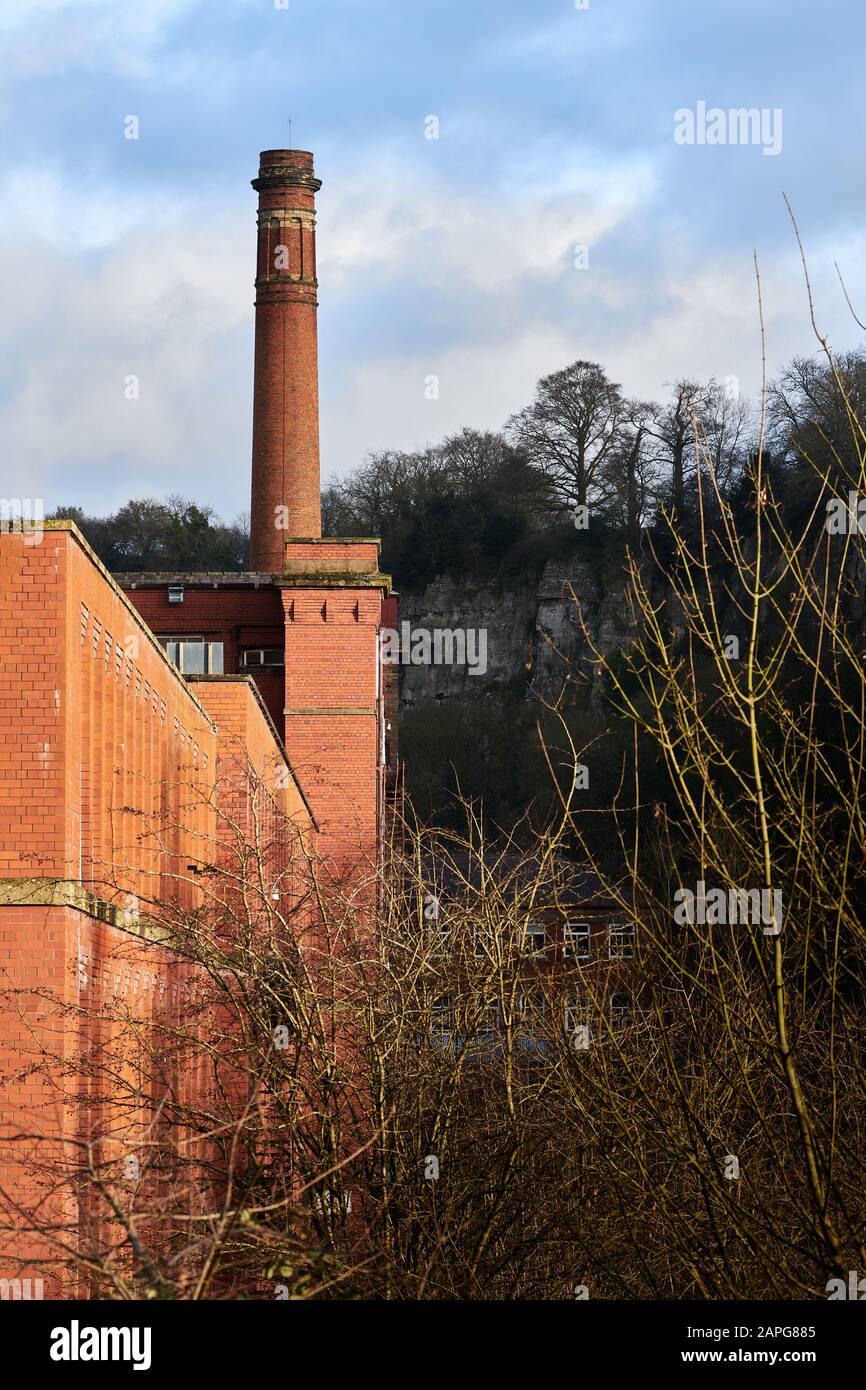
(321, 579)
(66, 892)
(199, 579)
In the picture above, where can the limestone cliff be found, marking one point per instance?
(531, 623)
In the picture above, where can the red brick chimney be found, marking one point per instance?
(285, 484)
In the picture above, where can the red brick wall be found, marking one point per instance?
(256, 792)
(111, 774)
(97, 732)
(331, 556)
(238, 617)
(68, 984)
(333, 715)
(328, 634)
(391, 704)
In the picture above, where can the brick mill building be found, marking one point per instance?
(140, 714)
(303, 623)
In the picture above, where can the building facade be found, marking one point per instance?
(142, 715)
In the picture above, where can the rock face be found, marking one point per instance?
(534, 632)
(542, 630)
(507, 619)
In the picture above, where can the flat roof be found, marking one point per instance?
(201, 579)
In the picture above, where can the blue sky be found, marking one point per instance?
(452, 257)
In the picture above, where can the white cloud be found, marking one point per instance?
(382, 404)
(489, 242)
(82, 216)
(99, 36)
(168, 298)
(707, 326)
(167, 309)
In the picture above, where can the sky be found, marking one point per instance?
(566, 210)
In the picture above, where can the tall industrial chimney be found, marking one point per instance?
(285, 484)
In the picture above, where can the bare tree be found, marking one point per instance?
(632, 472)
(757, 709)
(816, 412)
(386, 487)
(673, 431)
(572, 431)
(728, 431)
(706, 413)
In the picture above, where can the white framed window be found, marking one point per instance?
(442, 1014)
(576, 941)
(575, 1013)
(620, 1006)
(193, 656)
(480, 932)
(535, 940)
(439, 938)
(576, 1023)
(333, 1204)
(532, 1003)
(437, 932)
(490, 1017)
(620, 941)
(262, 656)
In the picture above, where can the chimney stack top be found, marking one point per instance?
(282, 168)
